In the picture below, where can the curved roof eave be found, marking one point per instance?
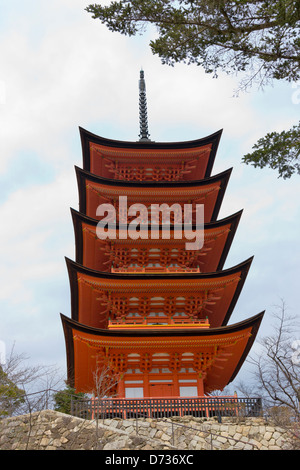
(97, 139)
(253, 322)
(87, 137)
(78, 218)
(77, 215)
(81, 173)
(74, 266)
(83, 176)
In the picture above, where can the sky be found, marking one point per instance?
(61, 69)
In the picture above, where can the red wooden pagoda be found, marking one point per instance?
(151, 313)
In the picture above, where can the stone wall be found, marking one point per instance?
(50, 430)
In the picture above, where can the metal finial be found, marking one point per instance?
(144, 134)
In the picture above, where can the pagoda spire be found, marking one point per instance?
(144, 134)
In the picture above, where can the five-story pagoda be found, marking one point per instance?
(150, 312)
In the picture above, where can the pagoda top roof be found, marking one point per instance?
(88, 136)
(236, 340)
(116, 149)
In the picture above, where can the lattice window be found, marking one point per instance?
(146, 362)
(117, 362)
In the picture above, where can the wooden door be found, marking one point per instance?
(161, 390)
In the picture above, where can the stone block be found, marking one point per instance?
(248, 447)
(267, 435)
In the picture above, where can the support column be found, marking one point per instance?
(200, 385)
(146, 385)
(176, 384)
(121, 388)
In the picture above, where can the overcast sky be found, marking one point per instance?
(60, 69)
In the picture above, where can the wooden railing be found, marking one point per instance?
(154, 322)
(154, 269)
(166, 407)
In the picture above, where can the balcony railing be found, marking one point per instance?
(154, 322)
(154, 269)
(127, 408)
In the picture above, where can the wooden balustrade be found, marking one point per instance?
(127, 408)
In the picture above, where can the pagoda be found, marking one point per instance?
(150, 312)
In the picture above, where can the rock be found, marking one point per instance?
(268, 435)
